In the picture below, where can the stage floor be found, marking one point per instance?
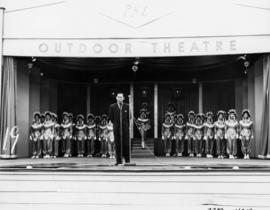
(141, 164)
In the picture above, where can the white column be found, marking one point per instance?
(200, 97)
(1, 45)
(156, 111)
(131, 105)
(88, 99)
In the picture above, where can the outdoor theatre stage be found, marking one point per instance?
(77, 56)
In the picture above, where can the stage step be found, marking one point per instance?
(138, 152)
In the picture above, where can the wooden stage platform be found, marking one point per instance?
(154, 183)
(142, 164)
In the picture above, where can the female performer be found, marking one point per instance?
(35, 135)
(48, 135)
(198, 143)
(178, 135)
(246, 133)
(143, 124)
(190, 133)
(103, 135)
(219, 134)
(111, 148)
(80, 135)
(91, 135)
(167, 134)
(209, 135)
(56, 135)
(66, 134)
(231, 133)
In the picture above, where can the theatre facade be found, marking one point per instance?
(74, 56)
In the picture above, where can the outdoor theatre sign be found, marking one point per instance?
(134, 47)
(155, 47)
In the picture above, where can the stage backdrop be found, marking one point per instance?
(71, 98)
(218, 96)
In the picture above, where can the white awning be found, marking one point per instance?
(127, 28)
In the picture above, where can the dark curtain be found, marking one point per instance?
(264, 135)
(185, 97)
(218, 96)
(72, 98)
(8, 103)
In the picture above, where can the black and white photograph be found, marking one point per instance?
(135, 104)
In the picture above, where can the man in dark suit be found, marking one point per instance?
(119, 116)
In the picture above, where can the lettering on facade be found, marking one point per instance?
(155, 48)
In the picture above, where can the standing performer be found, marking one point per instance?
(231, 133)
(190, 130)
(178, 135)
(171, 112)
(246, 133)
(91, 135)
(219, 130)
(73, 138)
(111, 146)
(119, 116)
(56, 138)
(143, 124)
(198, 143)
(66, 134)
(48, 135)
(42, 120)
(103, 135)
(35, 135)
(167, 134)
(80, 135)
(209, 135)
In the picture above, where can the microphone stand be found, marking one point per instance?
(129, 164)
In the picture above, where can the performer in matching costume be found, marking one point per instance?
(198, 143)
(171, 112)
(167, 134)
(111, 148)
(73, 139)
(66, 134)
(56, 138)
(91, 135)
(80, 135)
(231, 133)
(178, 134)
(200, 135)
(209, 135)
(190, 131)
(143, 124)
(42, 118)
(48, 135)
(246, 133)
(219, 134)
(35, 135)
(103, 135)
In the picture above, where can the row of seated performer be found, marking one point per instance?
(51, 139)
(201, 132)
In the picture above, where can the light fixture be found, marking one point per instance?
(246, 64)
(135, 64)
(34, 59)
(243, 57)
